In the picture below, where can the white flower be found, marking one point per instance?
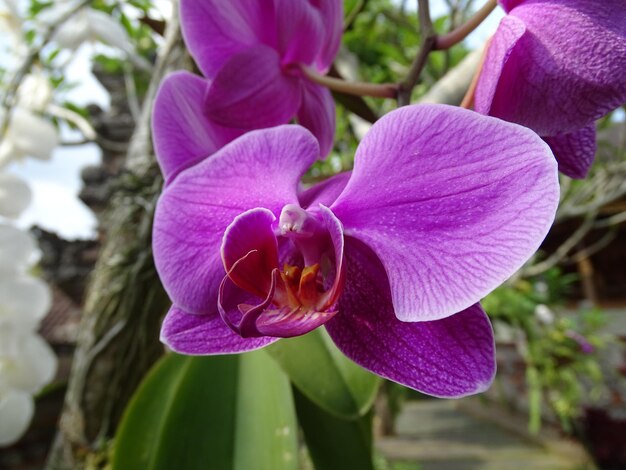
(27, 135)
(16, 412)
(35, 92)
(18, 250)
(24, 300)
(91, 25)
(15, 196)
(27, 363)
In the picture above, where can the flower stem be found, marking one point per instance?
(446, 41)
(384, 90)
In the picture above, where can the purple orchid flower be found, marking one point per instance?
(252, 52)
(556, 66)
(442, 206)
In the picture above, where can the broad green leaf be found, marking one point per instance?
(325, 375)
(220, 412)
(335, 443)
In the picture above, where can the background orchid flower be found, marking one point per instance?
(443, 205)
(252, 53)
(15, 195)
(27, 363)
(556, 66)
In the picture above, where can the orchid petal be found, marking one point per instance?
(215, 30)
(15, 195)
(32, 135)
(575, 152)
(317, 113)
(195, 209)
(32, 361)
(250, 250)
(201, 335)
(23, 299)
(300, 31)
(325, 192)
(17, 250)
(570, 62)
(451, 201)
(183, 134)
(250, 91)
(16, 412)
(499, 49)
(332, 18)
(453, 357)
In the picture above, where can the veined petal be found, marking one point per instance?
(250, 250)
(251, 91)
(324, 192)
(215, 30)
(15, 195)
(201, 335)
(332, 17)
(183, 134)
(575, 152)
(567, 70)
(451, 201)
(260, 169)
(16, 412)
(317, 114)
(300, 31)
(453, 357)
(500, 48)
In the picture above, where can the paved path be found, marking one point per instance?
(450, 435)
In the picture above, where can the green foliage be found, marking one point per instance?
(560, 355)
(324, 375)
(221, 412)
(335, 443)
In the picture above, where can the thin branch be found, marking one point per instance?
(131, 93)
(429, 38)
(592, 249)
(455, 36)
(384, 90)
(354, 13)
(564, 249)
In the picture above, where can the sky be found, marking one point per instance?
(56, 183)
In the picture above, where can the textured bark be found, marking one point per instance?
(118, 339)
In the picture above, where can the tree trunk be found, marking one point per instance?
(125, 302)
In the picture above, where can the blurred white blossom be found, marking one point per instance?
(15, 196)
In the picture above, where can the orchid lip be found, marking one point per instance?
(287, 301)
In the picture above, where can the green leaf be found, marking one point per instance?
(325, 375)
(220, 412)
(335, 443)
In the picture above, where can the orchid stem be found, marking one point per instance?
(446, 41)
(384, 90)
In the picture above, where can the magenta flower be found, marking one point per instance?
(556, 66)
(443, 205)
(252, 52)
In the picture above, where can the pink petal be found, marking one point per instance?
(182, 133)
(451, 201)
(317, 113)
(201, 335)
(332, 18)
(215, 30)
(251, 92)
(453, 357)
(575, 152)
(567, 69)
(260, 169)
(324, 192)
(300, 31)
